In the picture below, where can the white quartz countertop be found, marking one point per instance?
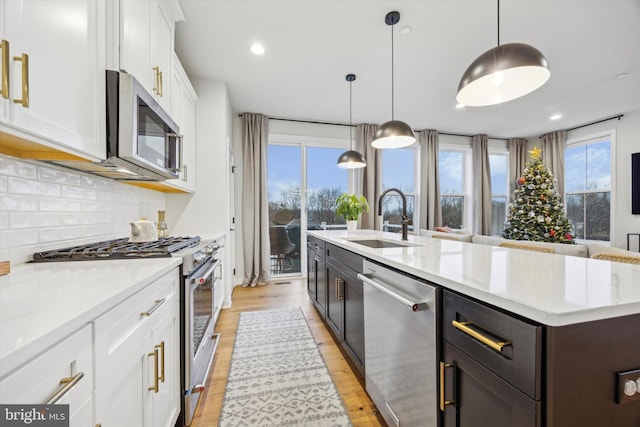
(42, 303)
(551, 289)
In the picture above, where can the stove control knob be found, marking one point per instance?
(209, 250)
(198, 257)
(630, 388)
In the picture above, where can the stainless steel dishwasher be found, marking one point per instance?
(400, 346)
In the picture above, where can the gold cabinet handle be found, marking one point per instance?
(156, 380)
(161, 348)
(338, 293)
(67, 384)
(496, 345)
(340, 289)
(156, 306)
(5, 68)
(25, 80)
(444, 403)
(160, 77)
(156, 69)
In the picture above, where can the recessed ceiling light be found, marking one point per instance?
(405, 30)
(460, 105)
(257, 49)
(555, 117)
(622, 75)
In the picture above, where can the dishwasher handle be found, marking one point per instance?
(414, 306)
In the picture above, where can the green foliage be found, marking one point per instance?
(536, 213)
(350, 207)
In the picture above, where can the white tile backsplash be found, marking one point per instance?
(44, 206)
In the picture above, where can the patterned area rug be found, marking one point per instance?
(277, 375)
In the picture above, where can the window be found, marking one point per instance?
(455, 205)
(324, 188)
(587, 164)
(498, 162)
(398, 171)
(293, 165)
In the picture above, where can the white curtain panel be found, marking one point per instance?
(517, 161)
(553, 145)
(481, 185)
(369, 179)
(255, 206)
(430, 211)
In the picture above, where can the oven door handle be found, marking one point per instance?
(201, 279)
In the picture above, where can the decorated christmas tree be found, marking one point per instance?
(536, 213)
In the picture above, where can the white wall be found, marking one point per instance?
(43, 206)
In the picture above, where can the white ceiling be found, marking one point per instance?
(311, 45)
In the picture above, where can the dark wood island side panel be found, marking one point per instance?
(582, 361)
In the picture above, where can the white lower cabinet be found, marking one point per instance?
(137, 358)
(61, 375)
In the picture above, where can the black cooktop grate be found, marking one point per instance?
(118, 249)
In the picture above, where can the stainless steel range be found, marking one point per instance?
(200, 295)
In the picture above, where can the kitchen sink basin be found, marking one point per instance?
(378, 244)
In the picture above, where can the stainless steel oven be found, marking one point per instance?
(202, 306)
(201, 296)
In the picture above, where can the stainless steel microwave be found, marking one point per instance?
(142, 139)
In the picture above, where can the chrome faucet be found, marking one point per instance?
(405, 218)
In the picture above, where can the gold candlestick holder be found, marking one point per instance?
(162, 225)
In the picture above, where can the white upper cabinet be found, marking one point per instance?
(54, 74)
(146, 45)
(183, 111)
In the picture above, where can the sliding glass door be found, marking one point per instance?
(303, 183)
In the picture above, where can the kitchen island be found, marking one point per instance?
(583, 318)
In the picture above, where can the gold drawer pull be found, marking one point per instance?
(25, 80)
(161, 348)
(156, 306)
(160, 91)
(443, 402)
(462, 326)
(156, 380)
(67, 384)
(5, 69)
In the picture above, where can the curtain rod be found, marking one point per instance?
(619, 116)
(343, 124)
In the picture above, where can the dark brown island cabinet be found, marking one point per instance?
(336, 292)
(498, 368)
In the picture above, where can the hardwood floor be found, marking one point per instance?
(272, 296)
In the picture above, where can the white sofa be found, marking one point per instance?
(580, 250)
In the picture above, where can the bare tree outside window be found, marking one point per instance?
(588, 189)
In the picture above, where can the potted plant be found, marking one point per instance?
(350, 207)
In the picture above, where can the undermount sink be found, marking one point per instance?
(378, 244)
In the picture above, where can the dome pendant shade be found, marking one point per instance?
(501, 74)
(351, 160)
(393, 134)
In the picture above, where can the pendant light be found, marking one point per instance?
(503, 73)
(351, 159)
(394, 133)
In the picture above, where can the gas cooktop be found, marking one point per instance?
(118, 249)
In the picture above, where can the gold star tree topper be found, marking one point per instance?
(535, 153)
